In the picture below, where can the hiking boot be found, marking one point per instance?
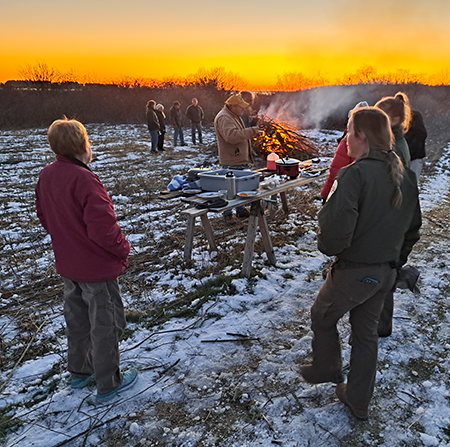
(81, 382)
(312, 375)
(362, 414)
(243, 214)
(128, 379)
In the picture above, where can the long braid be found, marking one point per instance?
(397, 168)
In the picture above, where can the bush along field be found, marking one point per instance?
(217, 354)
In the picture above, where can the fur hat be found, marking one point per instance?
(237, 100)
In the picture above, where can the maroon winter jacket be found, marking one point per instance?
(75, 209)
(340, 159)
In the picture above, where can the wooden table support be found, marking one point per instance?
(256, 216)
(189, 240)
(257, 219)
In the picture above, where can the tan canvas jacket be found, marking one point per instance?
(233, 138)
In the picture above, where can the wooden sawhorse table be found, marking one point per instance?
(257, 218)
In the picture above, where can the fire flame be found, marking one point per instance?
(283, 139)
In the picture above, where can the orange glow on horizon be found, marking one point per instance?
(103, 41)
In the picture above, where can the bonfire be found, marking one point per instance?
(282, 138)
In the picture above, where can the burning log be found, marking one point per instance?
(283, 139)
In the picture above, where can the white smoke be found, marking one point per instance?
(311, 108)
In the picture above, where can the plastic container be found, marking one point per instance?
(215, 180)
(230, 185)
(271, 159)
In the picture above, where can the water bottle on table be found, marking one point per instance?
(230, 185)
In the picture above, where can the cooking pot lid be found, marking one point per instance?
(287, 161)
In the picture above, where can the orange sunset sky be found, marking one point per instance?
(258, 40)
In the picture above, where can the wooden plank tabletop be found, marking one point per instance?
(262, 193)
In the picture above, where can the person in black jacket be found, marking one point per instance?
(177, 122)
(159, 109)
(415, 137)
(195, 114)
(152, 124)
(370, 222)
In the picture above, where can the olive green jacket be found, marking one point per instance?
(358, 223)
(401, 146)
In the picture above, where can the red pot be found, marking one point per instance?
(287, 166)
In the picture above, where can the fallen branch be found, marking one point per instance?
(87, 431)
(224, 340)
(11, 373)
(170, 330)
(268, 422)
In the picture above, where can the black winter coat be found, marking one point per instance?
(161, 120)
(152, 119)
(416, 136)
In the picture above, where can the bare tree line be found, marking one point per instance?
(222, 79)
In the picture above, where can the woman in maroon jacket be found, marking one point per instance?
(340, 158)
(90, 253)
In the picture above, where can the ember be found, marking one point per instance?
(283, 139)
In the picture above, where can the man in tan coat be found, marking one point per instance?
(234, 141)
(233, 138)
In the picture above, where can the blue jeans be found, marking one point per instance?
(154, 139)
(196, 127)
(178, 132)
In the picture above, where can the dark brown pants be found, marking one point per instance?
(95, 321)
(351, 290)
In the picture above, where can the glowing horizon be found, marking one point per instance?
(258, 41)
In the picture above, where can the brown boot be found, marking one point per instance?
(242, 214)
(361, 414)
(313, 375)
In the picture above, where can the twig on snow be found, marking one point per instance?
(87, 431)
(170, 330)
(268, 422)
(11, 373)
(230, 339)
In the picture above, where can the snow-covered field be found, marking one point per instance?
(217, 354)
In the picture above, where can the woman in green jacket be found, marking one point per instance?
(399, 111)
(370, 222)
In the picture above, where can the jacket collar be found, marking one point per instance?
(66, 159)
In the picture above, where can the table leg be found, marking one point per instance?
(273, 206)
(284, 202)
(251, 236)
(206, 224)
(189, 241)
(266, 239)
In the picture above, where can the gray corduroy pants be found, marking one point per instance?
(95, 322)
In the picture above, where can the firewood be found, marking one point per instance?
(283, 139)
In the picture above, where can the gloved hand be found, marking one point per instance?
(407, 277)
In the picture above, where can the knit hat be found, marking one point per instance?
(358, 106)
(236, 100)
